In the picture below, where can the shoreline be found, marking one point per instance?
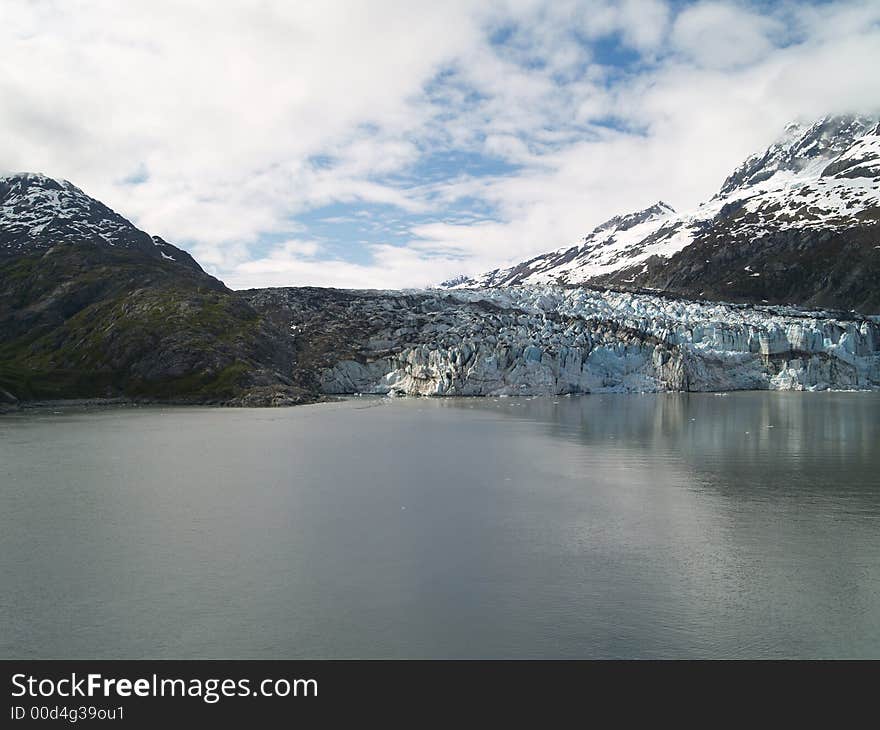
(122, 402)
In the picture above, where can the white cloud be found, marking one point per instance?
(644, 23)
(222, 104)
(392, 267)
(721, 35)
(230, 120)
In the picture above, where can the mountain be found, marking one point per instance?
(796, 224)
(617, 242)
(91, 306)
(37, 213)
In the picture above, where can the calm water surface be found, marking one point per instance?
(745, 525)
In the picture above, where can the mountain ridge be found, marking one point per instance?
(38, 212)
(809, 202)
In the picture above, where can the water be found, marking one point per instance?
(745, 525)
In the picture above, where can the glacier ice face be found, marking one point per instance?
(552, 341)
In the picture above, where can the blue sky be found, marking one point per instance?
(399, 143)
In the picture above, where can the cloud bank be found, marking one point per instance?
(397, 143)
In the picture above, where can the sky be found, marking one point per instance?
(397, 143)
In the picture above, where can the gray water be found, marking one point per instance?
(745, 525)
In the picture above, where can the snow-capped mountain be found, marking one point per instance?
(38, 212)
(620, 241)
(804, 215)
(799, 147)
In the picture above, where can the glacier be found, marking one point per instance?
(550, 340)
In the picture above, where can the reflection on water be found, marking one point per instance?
(667, 525)
(737, 432)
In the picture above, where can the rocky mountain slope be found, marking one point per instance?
(796, 224)
(91, 306)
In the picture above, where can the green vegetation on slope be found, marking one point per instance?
(81, 322)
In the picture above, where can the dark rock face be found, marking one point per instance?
(807, 267)
(329, 325)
